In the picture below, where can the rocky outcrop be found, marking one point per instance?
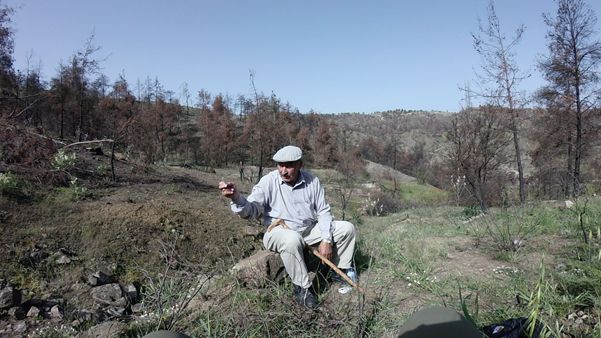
(102, 301)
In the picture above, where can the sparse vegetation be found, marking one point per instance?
(451, 234)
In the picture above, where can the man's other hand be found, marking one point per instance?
(325, 249)
(228, 189)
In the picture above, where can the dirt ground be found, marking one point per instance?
(122, 226)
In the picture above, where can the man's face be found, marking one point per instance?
(289, 171)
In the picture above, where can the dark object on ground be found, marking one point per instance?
(305, 297)
(511, 328)
(165, 334)
(436, 322)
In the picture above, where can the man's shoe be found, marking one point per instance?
(305, 297)
(345, 287)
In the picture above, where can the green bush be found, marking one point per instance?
(11, 186)
(74, 192)
(472, 211)
(63, 160)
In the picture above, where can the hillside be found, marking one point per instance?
(405, 128)
(170, 221)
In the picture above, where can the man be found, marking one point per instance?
(296, 197)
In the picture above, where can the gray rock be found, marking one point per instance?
(109, 294)
(115, 311)
(131, 292)
(99, 278)
(16, 312)
(259, 269)
(9, 297)
(137, 308)
(34, 258)
(20, 327)
(84, 315)
(60, 258)
(55, 313)
(33, 312)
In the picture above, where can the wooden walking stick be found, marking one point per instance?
(315, 252)
(337, 270)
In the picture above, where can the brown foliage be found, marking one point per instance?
(23, 147)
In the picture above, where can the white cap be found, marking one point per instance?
(288, 154)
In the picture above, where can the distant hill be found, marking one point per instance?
(379, 171)
(404, 128)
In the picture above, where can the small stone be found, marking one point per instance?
(20, 327)
(115, 311)
(33, 312)
(580, 313)
(16, 312)
(131, 292)
(99, 278)
(55, 313)
(137, 308)
(578, 321)
(62, 259)
(9, 297)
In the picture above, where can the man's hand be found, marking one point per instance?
(229, 190)
(325, 249)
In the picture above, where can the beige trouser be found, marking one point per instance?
(290, 245)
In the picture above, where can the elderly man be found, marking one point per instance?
(298, 198)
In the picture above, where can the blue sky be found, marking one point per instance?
(329, 55)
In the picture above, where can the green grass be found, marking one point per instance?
(432, 255)
(414, 193)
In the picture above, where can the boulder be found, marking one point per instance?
(259, 269)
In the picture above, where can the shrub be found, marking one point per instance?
(8, 183)
(74, 192)
(505, 231)
(380, 204)
(63, 160)
(11, 186)
(472, 211)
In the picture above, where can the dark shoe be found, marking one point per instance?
(305, 297)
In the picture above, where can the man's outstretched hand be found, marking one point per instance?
(228, 189)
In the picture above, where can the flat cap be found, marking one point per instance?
(288, 154)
